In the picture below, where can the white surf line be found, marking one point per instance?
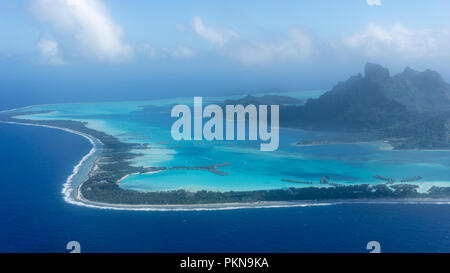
(204, 207)
(67, 186)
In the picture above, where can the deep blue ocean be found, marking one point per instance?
(35, 162)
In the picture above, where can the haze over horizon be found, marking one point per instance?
(101, 50)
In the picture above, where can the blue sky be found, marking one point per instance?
(143, 49)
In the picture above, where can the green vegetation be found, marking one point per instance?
(114, 195)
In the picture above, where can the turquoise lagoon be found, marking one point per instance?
(149, 122)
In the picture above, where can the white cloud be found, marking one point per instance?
(88, 23)
(296, 46)
(50, 51)
(400, 41)
(373, 2)
(214, 36)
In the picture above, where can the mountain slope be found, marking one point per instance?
(387, 107)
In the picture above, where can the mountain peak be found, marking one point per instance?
(432, 74)
(409, 71)
(376, 72)
(427, 74)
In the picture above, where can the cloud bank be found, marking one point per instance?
(295, 46)
(395, 42)
(400, 41)
(88, 23)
